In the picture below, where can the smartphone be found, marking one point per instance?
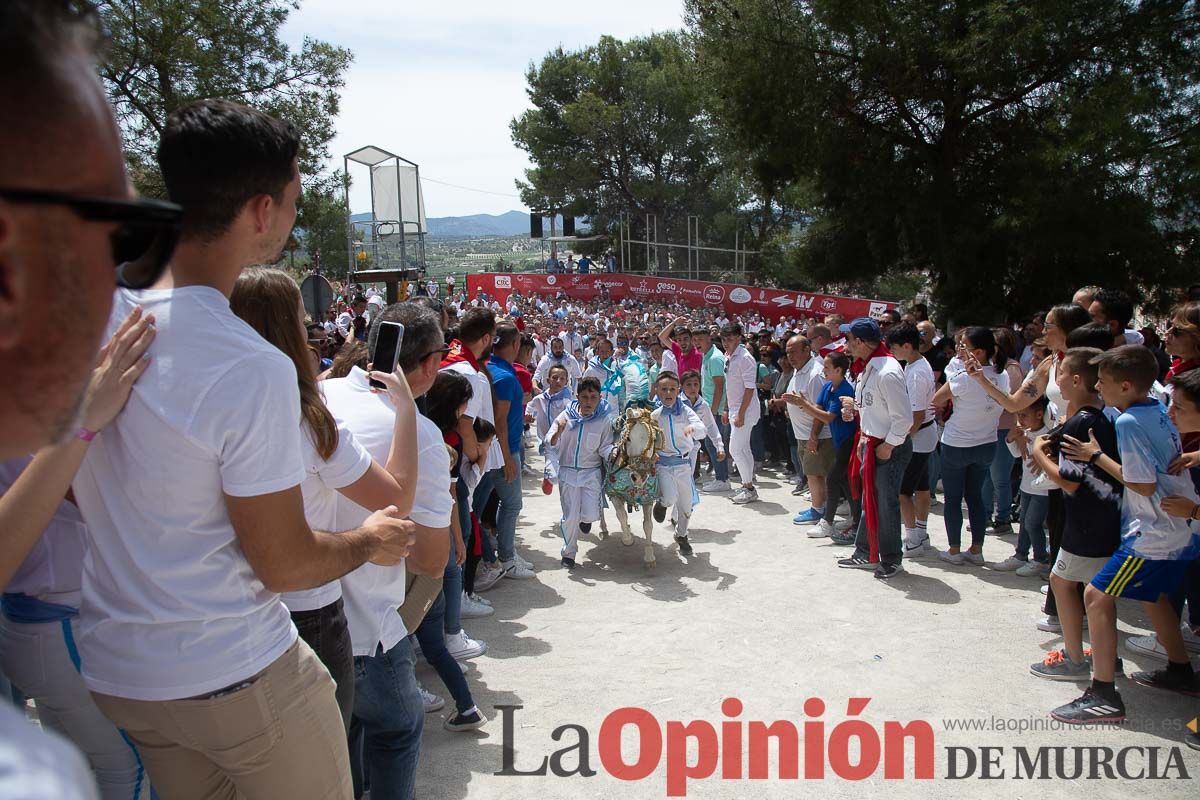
(387, 349)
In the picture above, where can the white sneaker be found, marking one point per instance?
(432, 701)
(715, 487)
(473, 610)
(521, 560)
(462, 646)
(1010, 564)
(848, 525)
(488, 576)
(1049, 624)
(744, 495)
(1045, 588)
(951, 558)
(1033, 569)
(972, 558)
(821, 530)
(916, 550)
(476, 598)
(1190, 640)
(515, 569)
(1146, 646)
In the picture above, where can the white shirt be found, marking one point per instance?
(372, 594)
(171, 607)
(741, 373)
(568, 361)
(669, 363)
(39, 765)
(807, 381)
(976, 416)
(585, 446)
(1032, 482)
(53, 569)
(545, 410)
(711, 431)
(349, 462)
(918, 378)
(676, 440)
(881, 396)
(480, 405)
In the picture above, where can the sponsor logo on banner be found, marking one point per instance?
(739, 295)
(714, 294)
(503, 281)
(829, 304)
(665, 287)
(805, 302)
(551, 279)
(877, 310)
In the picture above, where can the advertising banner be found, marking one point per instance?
(733, 299)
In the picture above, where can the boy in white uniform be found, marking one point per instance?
(682, 432)
(697, 403)
(583, 438)
(545, 408)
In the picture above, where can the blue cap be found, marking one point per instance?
(863, 328)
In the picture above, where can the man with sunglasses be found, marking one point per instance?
(192, 498)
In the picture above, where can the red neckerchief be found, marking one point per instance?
(862, 471)
(460, 353)
(1179, 366)
(1059, 356)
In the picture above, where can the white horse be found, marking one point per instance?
(630, 477)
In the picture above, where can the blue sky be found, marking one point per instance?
(438, 82)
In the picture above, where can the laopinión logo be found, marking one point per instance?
(852, 749)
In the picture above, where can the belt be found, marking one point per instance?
(926, 424)
(673, 461)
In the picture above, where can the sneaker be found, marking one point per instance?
(660, 512)
(888, 571)
(1148, 647)
(432, 701)
(529, 564)
(1192, 740)
(799, 490)
(951, 558)
(1089, 709)
(515, 569)
(568, 562)
(1170, 681)
(685, 547)
(1191, 639)
(472, 610)
(855, 562)
(851, 525)
(843, 539)
(1049, 624)
(1034, 569)
(972, 558)
(715, 487)
(468, 720)
(820, 531)
(744, 495)
(547, 486)
(806, 517)
(488, 576)
(916, 550)
(463, 647)
(1045, 589)
(481, 600)
(1010, 564)
(1000, 529)
(1058, 666)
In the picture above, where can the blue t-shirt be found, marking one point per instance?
(585, 264)
(1149, 442)
(830, 399)
(504, 379)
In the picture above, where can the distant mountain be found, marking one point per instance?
(512, 223)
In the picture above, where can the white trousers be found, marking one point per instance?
(579, 494)
(675, 492)
(739, 443)
(40, 660)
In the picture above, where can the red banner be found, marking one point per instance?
(733, 299)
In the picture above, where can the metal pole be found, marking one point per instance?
(697, 246)
(400, 213)
(420, 212)
(647, 244)
(349, 218)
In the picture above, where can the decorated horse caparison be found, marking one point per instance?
(629, 479)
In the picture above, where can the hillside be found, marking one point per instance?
(512, 223)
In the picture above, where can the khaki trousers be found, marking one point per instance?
(280, 737)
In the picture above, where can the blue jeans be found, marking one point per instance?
(997, 486)
(452, 588)
(935, 468)
(1033, 526)
(963, 472)
(721, 467)
(433, 647)
(506, 518)
(888, 475)
(389, 715)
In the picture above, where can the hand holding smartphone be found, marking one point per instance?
(387, 350)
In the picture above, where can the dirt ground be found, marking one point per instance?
(761, 613)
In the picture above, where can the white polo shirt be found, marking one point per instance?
(349, 462)
(741, 373)
(372, 594)
(918, 377)
(171, 608)
(808, 382)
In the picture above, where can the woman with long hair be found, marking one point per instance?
(969, 439)
(269, 301)
(997, 486)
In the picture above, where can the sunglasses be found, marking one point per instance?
(146, 233)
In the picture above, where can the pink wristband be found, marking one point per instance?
(85, 434)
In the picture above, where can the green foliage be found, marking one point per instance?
(166, 53)
(321, 215)
(1011, 151)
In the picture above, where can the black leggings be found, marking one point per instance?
(1056, 521)
(837, 485)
